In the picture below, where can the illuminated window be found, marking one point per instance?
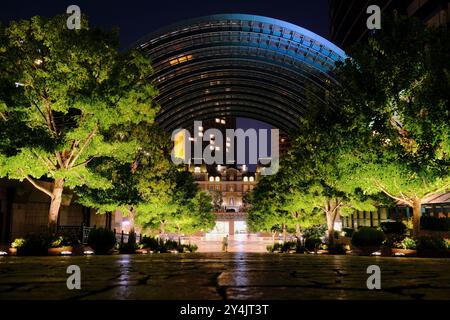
(197, 169)
(181, 59)
(211, 179)
(252, 179)
(245, 179)
(217, 179)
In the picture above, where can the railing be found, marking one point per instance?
(81, 232)
(122, 237)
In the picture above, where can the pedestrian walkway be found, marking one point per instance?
(219, 276)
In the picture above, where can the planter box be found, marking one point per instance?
(58, 251)
(12, 251)
(405, 252)
(386, 251)
(365, 251)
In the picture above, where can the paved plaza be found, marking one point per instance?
(218, 276)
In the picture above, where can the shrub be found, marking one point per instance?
(129, 247)
(336, 248)
(348, 232)
(150, 243)
(398, 228)
(312, 243)
(171, 245)
(189, 248)
(434, 223)
(408, 244)
(101, 240)
(315, 232)
(367, 237)
(284, 247)
(33, 245)
(431, 247)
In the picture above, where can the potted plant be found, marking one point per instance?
(367, 240)
(65, 245)
(407, 247)
(17, 243)
(56, 247)
(33, 245)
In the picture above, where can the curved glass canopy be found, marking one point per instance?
(241, 66)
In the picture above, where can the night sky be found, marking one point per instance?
(136, 18)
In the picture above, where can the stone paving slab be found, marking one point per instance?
(214, 276)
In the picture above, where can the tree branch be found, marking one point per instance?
(85, 144)
(443, 188)
(39, 187)
(404, 201)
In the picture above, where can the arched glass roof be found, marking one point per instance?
(239, 65)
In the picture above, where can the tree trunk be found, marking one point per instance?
(417, 211)
(284, 232)
(331, 214)
(162, 229)
(131, 218)
(297, 231)
(55, 204)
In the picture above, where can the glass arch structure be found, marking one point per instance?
(239, 65)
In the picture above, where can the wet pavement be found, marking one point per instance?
(216, 276)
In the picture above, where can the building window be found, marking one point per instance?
(245, 179)
(197, 169)
(252, 179)
(217, 179)
(211, 179)
(218, 188)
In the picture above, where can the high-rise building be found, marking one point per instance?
(348, 17)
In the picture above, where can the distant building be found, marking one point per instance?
(348, 17)
(228, 186)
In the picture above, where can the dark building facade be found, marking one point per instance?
(348, 17)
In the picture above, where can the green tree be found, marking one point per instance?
(139, 186)
(395, 114)
(274, 202)
(63, 92)
(186, 209)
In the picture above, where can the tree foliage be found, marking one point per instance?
(395, 112)
(64, 95)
